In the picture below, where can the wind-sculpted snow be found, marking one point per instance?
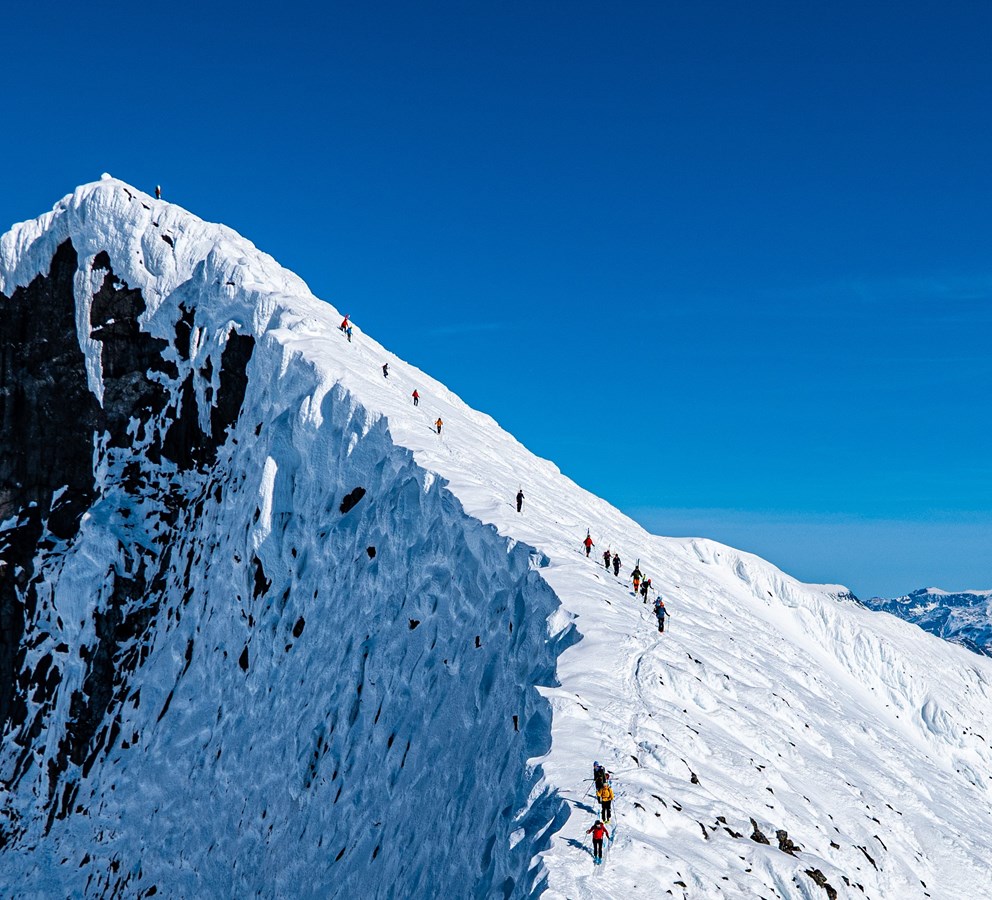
(296, 732)
(230, 685)
(303, 645)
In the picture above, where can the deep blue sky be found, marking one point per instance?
(727, 264)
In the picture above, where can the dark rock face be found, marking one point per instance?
(47, 420)
(186, 443)
(47, 413)
(129, 356)
(114, 628)
(233, 385)
(51, 428)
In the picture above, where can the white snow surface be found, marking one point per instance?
(862, 737)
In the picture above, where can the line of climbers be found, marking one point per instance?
(642, 584)
(348, 330)
(601, 777)
(604, 793)
(346, 327)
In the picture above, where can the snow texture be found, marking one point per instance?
(313, 690)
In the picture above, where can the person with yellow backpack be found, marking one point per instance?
(605, 795)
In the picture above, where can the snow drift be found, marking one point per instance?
(265, 633)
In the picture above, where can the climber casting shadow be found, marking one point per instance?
(578, 845)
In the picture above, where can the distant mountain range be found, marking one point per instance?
(963, 618)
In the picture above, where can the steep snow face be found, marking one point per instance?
(261, 653)
(963, 618)
(232, 607)
(301, 701)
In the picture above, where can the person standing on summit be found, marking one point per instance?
(158, 192)
(588, 544)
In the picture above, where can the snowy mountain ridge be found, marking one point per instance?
(266, 622)
(961, 617)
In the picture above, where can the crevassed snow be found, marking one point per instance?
(767, 700)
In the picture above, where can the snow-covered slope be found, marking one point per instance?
(963, 618)
(225, 671)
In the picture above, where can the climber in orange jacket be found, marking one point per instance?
(605, 795)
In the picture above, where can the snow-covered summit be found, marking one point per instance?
(268, 633)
